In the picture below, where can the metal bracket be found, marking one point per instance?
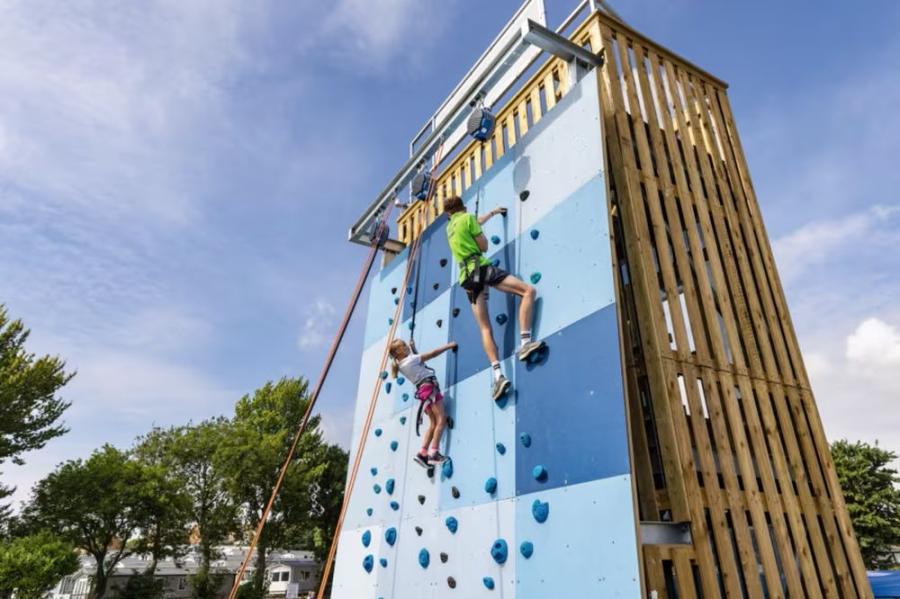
(666, 533)
(560, 46)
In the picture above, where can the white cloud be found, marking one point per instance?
(874, 343)
(318, 325)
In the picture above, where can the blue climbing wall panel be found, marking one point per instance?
(566, 413)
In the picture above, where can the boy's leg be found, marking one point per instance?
(483, 319)
(516, 286)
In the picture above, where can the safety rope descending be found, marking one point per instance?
(379, 232)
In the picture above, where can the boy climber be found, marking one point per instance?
(412, 365)
(476, 274)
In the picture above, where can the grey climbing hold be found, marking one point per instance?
(419, 530)
(499, 551)
(395, 506)
(421, 499)
(436, 286)
(400, 380)
(383, 562)
(525, 438)
(535, 233)
(390, 536)
(424, 558)
(455, 492)
(377, 488)
(495, 240)
(387, 387)
(369, 563)
(369, 511)
(526, 549)
(403, 420)
(444, 557)
(394, 445)
(540, 510)
(501, 448)
(501, 318)
(396, 300)
(539, 473)
(447, 468)
(366, 538)
(490, 486)
(405, 397)
(455, 312)
(450, 422)
(377, 432)
(389, 486)
(383, 374)
(374, 471)
(452, 524)
(488, 583)
(443, 262)
(439, 322)
(535, 278)
(393, 290)
(451, 582)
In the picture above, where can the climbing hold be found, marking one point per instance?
(455, 492)
(377, 432)
(390, 536)
(539, 473)
(455, 312)
(383, 374)
(524, 195)
(390, 321)
(374, 471)
(495, 240)
(383, 562)
(526, 548)
(535, 277)
(368, 562)
(443, 262)
(501, 448)
(412, 325)
(377, 488)
(389, 486)
(409, 289)
(525, 438)
(447, 468)
(369, 511)
(395, 506)
(419, 530)
(366, 538)
(444, 557)
(450, 422)
(400, 380)
(452, 524)
(499, 551)
(490, 486)
(488, 583)
(436, 286)
(403, 420)
(540, 510)
(495, 262)
(394, 445)
(424, 558)
(502, 401)
(451, 582)
(501, 318)
(421, 499)
(396, 300)
(387, 387)
(439, 322)
(405, 397)
(535, 233)
(393, 290)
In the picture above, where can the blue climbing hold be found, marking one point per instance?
(495, 262)
(383, 374)
(394, 445)
(377, 488)
(403, 420)
(368, 563)
(412, 325)
(499, 551)
(525, 438)
(400, 380)
(535, 278)
(540, 510)
(390, 321)
(395, 506)
(387, 387)
(424, 558)
(409, 289)
(396, 300)
(526, 548)
(539, 473)
(447, 468)
(366, 538)
(501, 318)
(405, 397)
(452, 524)
(501, 448)
(369, 511)
(389, 486)
(535, 233)
(490, 486)
(390, 536)
(383, 562)
(374, 471)
(495, 240)
(377, 432)
(488, 583)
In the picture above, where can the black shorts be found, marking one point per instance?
(489, 276)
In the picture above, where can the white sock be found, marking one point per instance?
(495, 367)
(526, 337)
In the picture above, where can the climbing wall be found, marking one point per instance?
(537, 499)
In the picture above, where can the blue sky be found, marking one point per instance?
(177, 180)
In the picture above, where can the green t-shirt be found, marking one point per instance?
(462, 230)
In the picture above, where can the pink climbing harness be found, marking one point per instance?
(428, 393)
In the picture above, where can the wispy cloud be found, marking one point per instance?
(874, 343)
(318, 325)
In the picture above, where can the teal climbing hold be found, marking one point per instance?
(377, 432)
(405, 397)
(535, 278)
(403, 418)
(396, 300)
(495, 262)
(390, 536)
(501, 318)
(394, 445)
(369, 511)
(539, 473)
(495, 240)
(383, 562)
(390, 321)
(540, 510)
(409, 289)
(369, 563)
(501, 448)
(535, 233)
(387, 387)
(447, 468)
(395, 506)
(424, 558)
(499, 551)
(400, 380)
(412, 325)
(374, 471)
(490, 486)
(383, 374)
(452, 524)
(488, 583)
(389, 486)
(377, 488)
(366, 538)
(525, 438)
(526, 548)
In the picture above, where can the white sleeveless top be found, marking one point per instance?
(414, 369)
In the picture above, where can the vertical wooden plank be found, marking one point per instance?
(489, 149)
(511, 129)
(536, 113)
(549, 89)
(522, 111)
(684, 575)
(653, 567)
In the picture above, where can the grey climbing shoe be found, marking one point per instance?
(436, 459)
(421, 460)
(501, 386)
(528, 349)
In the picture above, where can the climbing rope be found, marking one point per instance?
(379, 234)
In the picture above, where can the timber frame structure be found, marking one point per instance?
(725, 433)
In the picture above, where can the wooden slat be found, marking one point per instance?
(684, 575)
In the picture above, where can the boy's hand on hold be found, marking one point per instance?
(453, 345)
(501, 211)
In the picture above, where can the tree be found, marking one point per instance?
(29, 407)
(97, 505)
(262, 430)
(32, 565)
(872, 497)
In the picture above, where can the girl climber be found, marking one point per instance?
(412, 365)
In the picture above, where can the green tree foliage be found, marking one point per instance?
(872, 497)
(32, 565)
(30, 410)
(262, 431)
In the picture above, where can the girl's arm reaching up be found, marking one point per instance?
(438, 351)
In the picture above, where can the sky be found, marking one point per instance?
(177, 180)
